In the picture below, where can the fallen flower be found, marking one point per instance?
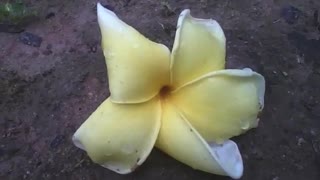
(185, 103)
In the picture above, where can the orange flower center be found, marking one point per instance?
(165, 91)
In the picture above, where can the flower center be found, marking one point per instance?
(165, 91)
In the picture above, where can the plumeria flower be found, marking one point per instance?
(185, 102)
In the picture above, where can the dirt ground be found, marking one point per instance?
(46, 92)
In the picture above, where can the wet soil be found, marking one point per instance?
(46, 92)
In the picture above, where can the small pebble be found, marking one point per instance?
(30, 39)
(290, 14)
(92, 48)
(313, 132)
(285, 73)
(301, 141)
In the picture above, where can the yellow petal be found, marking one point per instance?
(118, 136)
(222, 104)
(180, 140)
(137, 67)
(199, 48)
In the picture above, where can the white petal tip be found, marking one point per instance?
(101, 10)
(107, 19)
(182, 16)
(212, 25)
(77, 143)
(249, 70)
(185, 12)
(229, 158)
(116, 169)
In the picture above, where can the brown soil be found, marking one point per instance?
(46, 92)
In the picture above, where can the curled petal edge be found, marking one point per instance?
(179, 139)
(120, 137)
(246, 72)
(202, 41)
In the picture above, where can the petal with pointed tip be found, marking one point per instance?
(222, 104)
(180, 140)
(137, 67)
(199, 48)
(118, 136)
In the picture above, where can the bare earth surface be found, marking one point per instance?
(46, 92)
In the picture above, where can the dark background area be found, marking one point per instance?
(49, 86)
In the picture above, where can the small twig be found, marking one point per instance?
(79, 163)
